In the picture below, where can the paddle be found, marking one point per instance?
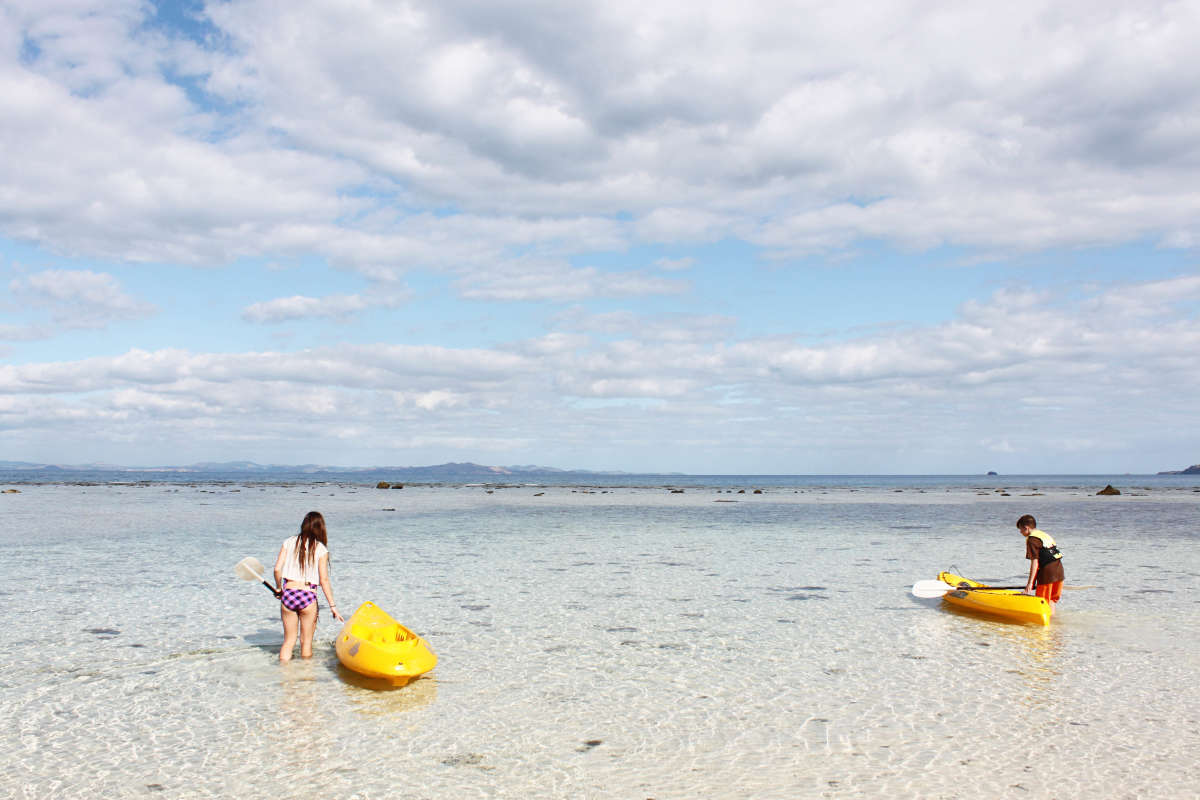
(936, 588)
(251, 569)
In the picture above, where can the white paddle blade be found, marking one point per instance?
(249, 569)
(931, 588)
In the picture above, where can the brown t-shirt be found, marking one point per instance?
(1052, 572)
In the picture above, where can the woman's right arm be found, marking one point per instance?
(279, 569)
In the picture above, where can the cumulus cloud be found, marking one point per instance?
(1015, 372)
(798, 128)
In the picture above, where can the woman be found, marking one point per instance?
(303, 563)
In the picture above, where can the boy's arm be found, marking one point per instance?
(1032, 548)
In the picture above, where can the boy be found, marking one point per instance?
(1045, 562)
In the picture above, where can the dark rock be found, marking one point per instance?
(383, 485)
(1109, 490)
(397, 485)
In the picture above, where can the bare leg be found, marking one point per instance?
(308, 628)
(290, 624)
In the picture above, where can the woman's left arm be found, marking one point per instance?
(327, 587)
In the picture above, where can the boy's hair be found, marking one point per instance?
(1027, 520)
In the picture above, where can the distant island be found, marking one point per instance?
(1194, 469)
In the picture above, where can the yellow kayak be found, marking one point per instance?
(1006, 603)
(372, 643)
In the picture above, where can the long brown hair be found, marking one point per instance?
(312, 530)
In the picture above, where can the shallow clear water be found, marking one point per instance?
(614, 642)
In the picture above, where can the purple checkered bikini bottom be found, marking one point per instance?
(297, 599)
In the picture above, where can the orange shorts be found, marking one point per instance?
(1050, 591)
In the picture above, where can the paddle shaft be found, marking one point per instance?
(255, 573)
(983, 588)
(1022, 586)
(270, 588)
(938, 588)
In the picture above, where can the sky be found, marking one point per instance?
(777, 238)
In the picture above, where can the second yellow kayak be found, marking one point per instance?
(373, 644)
(1005, 603)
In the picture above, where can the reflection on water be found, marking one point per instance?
(378, 697)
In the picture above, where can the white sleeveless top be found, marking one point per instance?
(291, 562)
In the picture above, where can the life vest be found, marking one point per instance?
(1049, 552)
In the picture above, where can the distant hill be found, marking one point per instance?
(1194, 469)
(452, 470)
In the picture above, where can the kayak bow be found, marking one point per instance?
(373, 644)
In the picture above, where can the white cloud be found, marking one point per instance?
(24, 333)
(300, 307)
(548, 281)
(649, 327)
(74, 299)
(432, 401)
(800, 128)
(675, 264)
(1016, 374)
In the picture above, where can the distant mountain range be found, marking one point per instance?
(450, 470)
